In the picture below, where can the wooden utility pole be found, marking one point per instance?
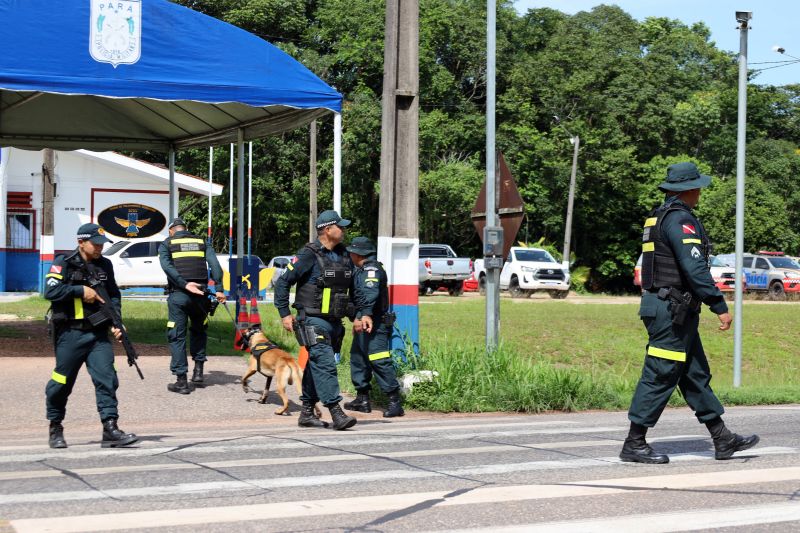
(48, 186)
(312, 183)
(398, 228)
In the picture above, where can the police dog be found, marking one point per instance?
(269, 360)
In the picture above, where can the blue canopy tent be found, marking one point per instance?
(147, 75)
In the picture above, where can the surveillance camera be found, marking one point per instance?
(779, 49)
(743, 16)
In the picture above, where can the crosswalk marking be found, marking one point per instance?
(355, 456)
(385, 502)
(337, 479)
(717, 518)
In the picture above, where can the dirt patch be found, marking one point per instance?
(30, 340)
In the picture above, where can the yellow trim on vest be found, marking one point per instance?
(290, 266)
(178, 255)
(692, 241)
(57, 276)
(326, 301)
(650, 222)
(380, 355)
(649, 247)
(170, 324)
(58, 378)
(666, 354)
(78, 303)
(187, 241)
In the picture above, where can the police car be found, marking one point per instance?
(770, 273)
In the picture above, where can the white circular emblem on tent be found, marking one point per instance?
(116, 31)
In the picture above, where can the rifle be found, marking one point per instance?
(107, 313)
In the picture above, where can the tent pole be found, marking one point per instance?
(337, 163)
(230, 209)
(240, 207)
(210, 185)
(171, 183)
(250, 201)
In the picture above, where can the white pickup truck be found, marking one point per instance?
(527, 270)
(439, 266)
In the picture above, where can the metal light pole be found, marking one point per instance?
(576, 143)
(492, 273)
(743, 18)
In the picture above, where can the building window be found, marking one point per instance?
(20, 227)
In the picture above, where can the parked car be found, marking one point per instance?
(772, 273)
(279, 263)
(527, 270)
(439, 266)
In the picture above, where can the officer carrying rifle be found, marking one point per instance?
(186, 259)
(676, 280)
(373, 324)
(78, 285)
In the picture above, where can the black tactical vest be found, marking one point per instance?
(328, 297)
(189, 255)
(77, 274)
(659, 266)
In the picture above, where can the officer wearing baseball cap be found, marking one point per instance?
(79, 339)
(676, 281)
(323, 275)
(372, 328)
(186, 259)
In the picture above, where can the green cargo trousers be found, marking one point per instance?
(183, 307)
(369, 354)
(674, 357)
(74, 347)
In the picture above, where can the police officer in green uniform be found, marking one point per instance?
(323, 274)
(369, 352)
(676, 280)
(80, 337)
(183, 257)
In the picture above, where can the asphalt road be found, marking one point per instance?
(213, 461)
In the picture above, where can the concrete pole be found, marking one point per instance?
(337, 163)
(576, 141)
(312, 183)
(492, 274)
(240, 207)
(210, 188)
(743, 17)
(172, 199)
(47, 240)
(398, 225)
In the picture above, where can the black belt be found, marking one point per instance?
(679, 296)
(82, 324)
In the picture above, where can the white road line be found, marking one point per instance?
(50, 473)
(307, 441)
(660, 522)
(393, 502)
(339, 479)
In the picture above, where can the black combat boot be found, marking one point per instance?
(113, 437)
(726, 443)
(197, 374)
(361, 403)
(636, 449)
(395, 407)
(340, 420)
(181, 386)
(57, 435)
(308, 419)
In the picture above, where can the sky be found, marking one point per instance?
(774, 23)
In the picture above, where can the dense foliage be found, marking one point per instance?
(640, 95)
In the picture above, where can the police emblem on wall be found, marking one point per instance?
(116, 31)
(132, 221)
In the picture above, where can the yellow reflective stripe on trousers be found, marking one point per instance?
(58, 378)
(650, 222)
(78, 308)
(187, 241)
(178, 255)
(648, 247)
(666, 354)
(326, 301)
(692, 241)
(170, 324)
(378, 356)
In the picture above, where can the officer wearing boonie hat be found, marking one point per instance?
(78, 340)
(369, 352)
(676, 280)
(323, 275)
